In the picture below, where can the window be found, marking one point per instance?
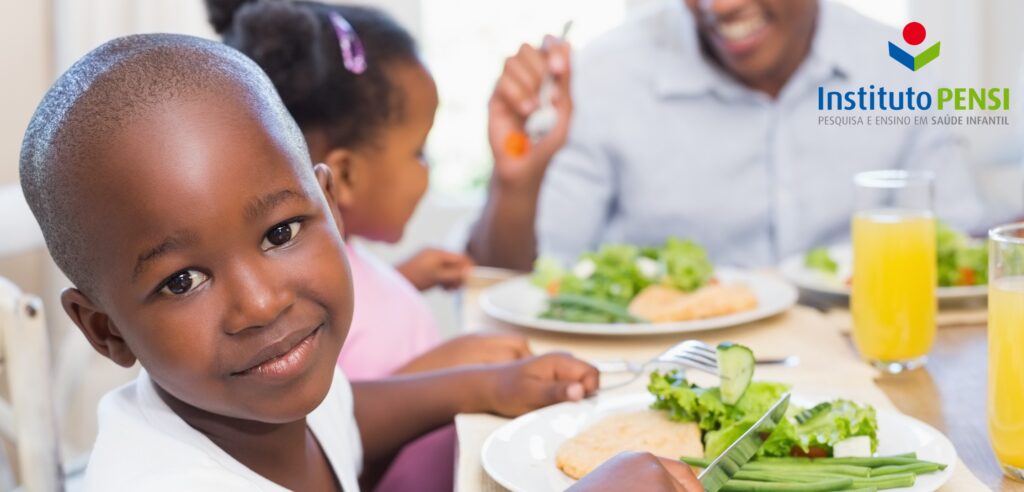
(896, 13)
(465, 44)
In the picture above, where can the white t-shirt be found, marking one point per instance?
(142, 445)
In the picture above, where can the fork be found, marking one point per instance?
(692, 354)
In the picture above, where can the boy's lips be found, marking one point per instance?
(284, 357)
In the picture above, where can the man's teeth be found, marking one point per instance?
(740, 29)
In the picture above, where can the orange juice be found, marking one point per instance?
(893, 300)
(1006, 369)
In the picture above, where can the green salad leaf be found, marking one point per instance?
(819, 259)
(687, 266)
(833, 421)
(819, 427)
(614, 274)
(546, 271)
(959, 261)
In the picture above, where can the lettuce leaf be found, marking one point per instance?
(959, 261)
(819, 259)
(546, 271)
(687, 266)
(617, 277)
(819, 427)
(828, 423)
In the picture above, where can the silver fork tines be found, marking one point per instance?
(692, 354)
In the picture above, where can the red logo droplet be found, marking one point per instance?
(913, 33)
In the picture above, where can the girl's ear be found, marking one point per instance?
(97, 326)
(343, 176)
(328, 184)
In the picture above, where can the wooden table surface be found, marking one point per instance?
(949, 393)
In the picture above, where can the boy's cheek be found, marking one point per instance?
(323, 276)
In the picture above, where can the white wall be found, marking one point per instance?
(25, 54)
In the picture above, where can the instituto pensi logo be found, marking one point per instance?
(914, 34)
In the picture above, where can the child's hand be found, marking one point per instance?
(515, 97)
(639, 471)
(540, 381)
(433, 267)
(470, 349)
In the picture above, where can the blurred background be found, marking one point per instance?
(464, 43)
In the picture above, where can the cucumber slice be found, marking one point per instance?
(736, 369)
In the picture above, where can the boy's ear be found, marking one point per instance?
(328, 183)
(98, 328)
(341, 163)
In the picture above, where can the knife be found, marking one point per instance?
(740, 451)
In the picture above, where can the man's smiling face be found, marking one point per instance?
(755, 39)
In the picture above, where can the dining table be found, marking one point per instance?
(948, 393)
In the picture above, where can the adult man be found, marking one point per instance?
(703, 122)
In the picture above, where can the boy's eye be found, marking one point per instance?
(183, 282)
(280, 234)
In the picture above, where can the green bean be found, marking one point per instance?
(866, 461)
(698, 462)
(620, 313)
(917, 467)
(820, 486)
(849, 470)
(767, 476)
(887, 481)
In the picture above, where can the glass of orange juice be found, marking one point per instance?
(1006, 347)
(894, 273)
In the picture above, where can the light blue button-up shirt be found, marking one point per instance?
(665, 144)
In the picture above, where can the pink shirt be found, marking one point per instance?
(391, 322)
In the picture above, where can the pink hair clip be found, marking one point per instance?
(353, 56)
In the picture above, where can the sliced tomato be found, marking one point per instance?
(813, 453)
(967, 276)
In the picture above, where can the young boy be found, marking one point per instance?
(176, 194)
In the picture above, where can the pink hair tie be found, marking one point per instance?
(353, 56)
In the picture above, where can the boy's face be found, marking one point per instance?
(220, 267)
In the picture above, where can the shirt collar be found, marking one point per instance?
(830, 45)
(684, 70)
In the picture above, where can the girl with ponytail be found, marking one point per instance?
(353, 80)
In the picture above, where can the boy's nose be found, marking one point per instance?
(258, 296)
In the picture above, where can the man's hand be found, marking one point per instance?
(517, 95)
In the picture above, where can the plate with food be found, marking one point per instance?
(962, 267)
(630, 290)
(820, 440)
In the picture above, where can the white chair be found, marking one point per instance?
(28, 419)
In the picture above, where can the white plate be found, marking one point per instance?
(815, 281)
(520, 455)
(519, 302)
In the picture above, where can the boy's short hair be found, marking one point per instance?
(99, 95)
